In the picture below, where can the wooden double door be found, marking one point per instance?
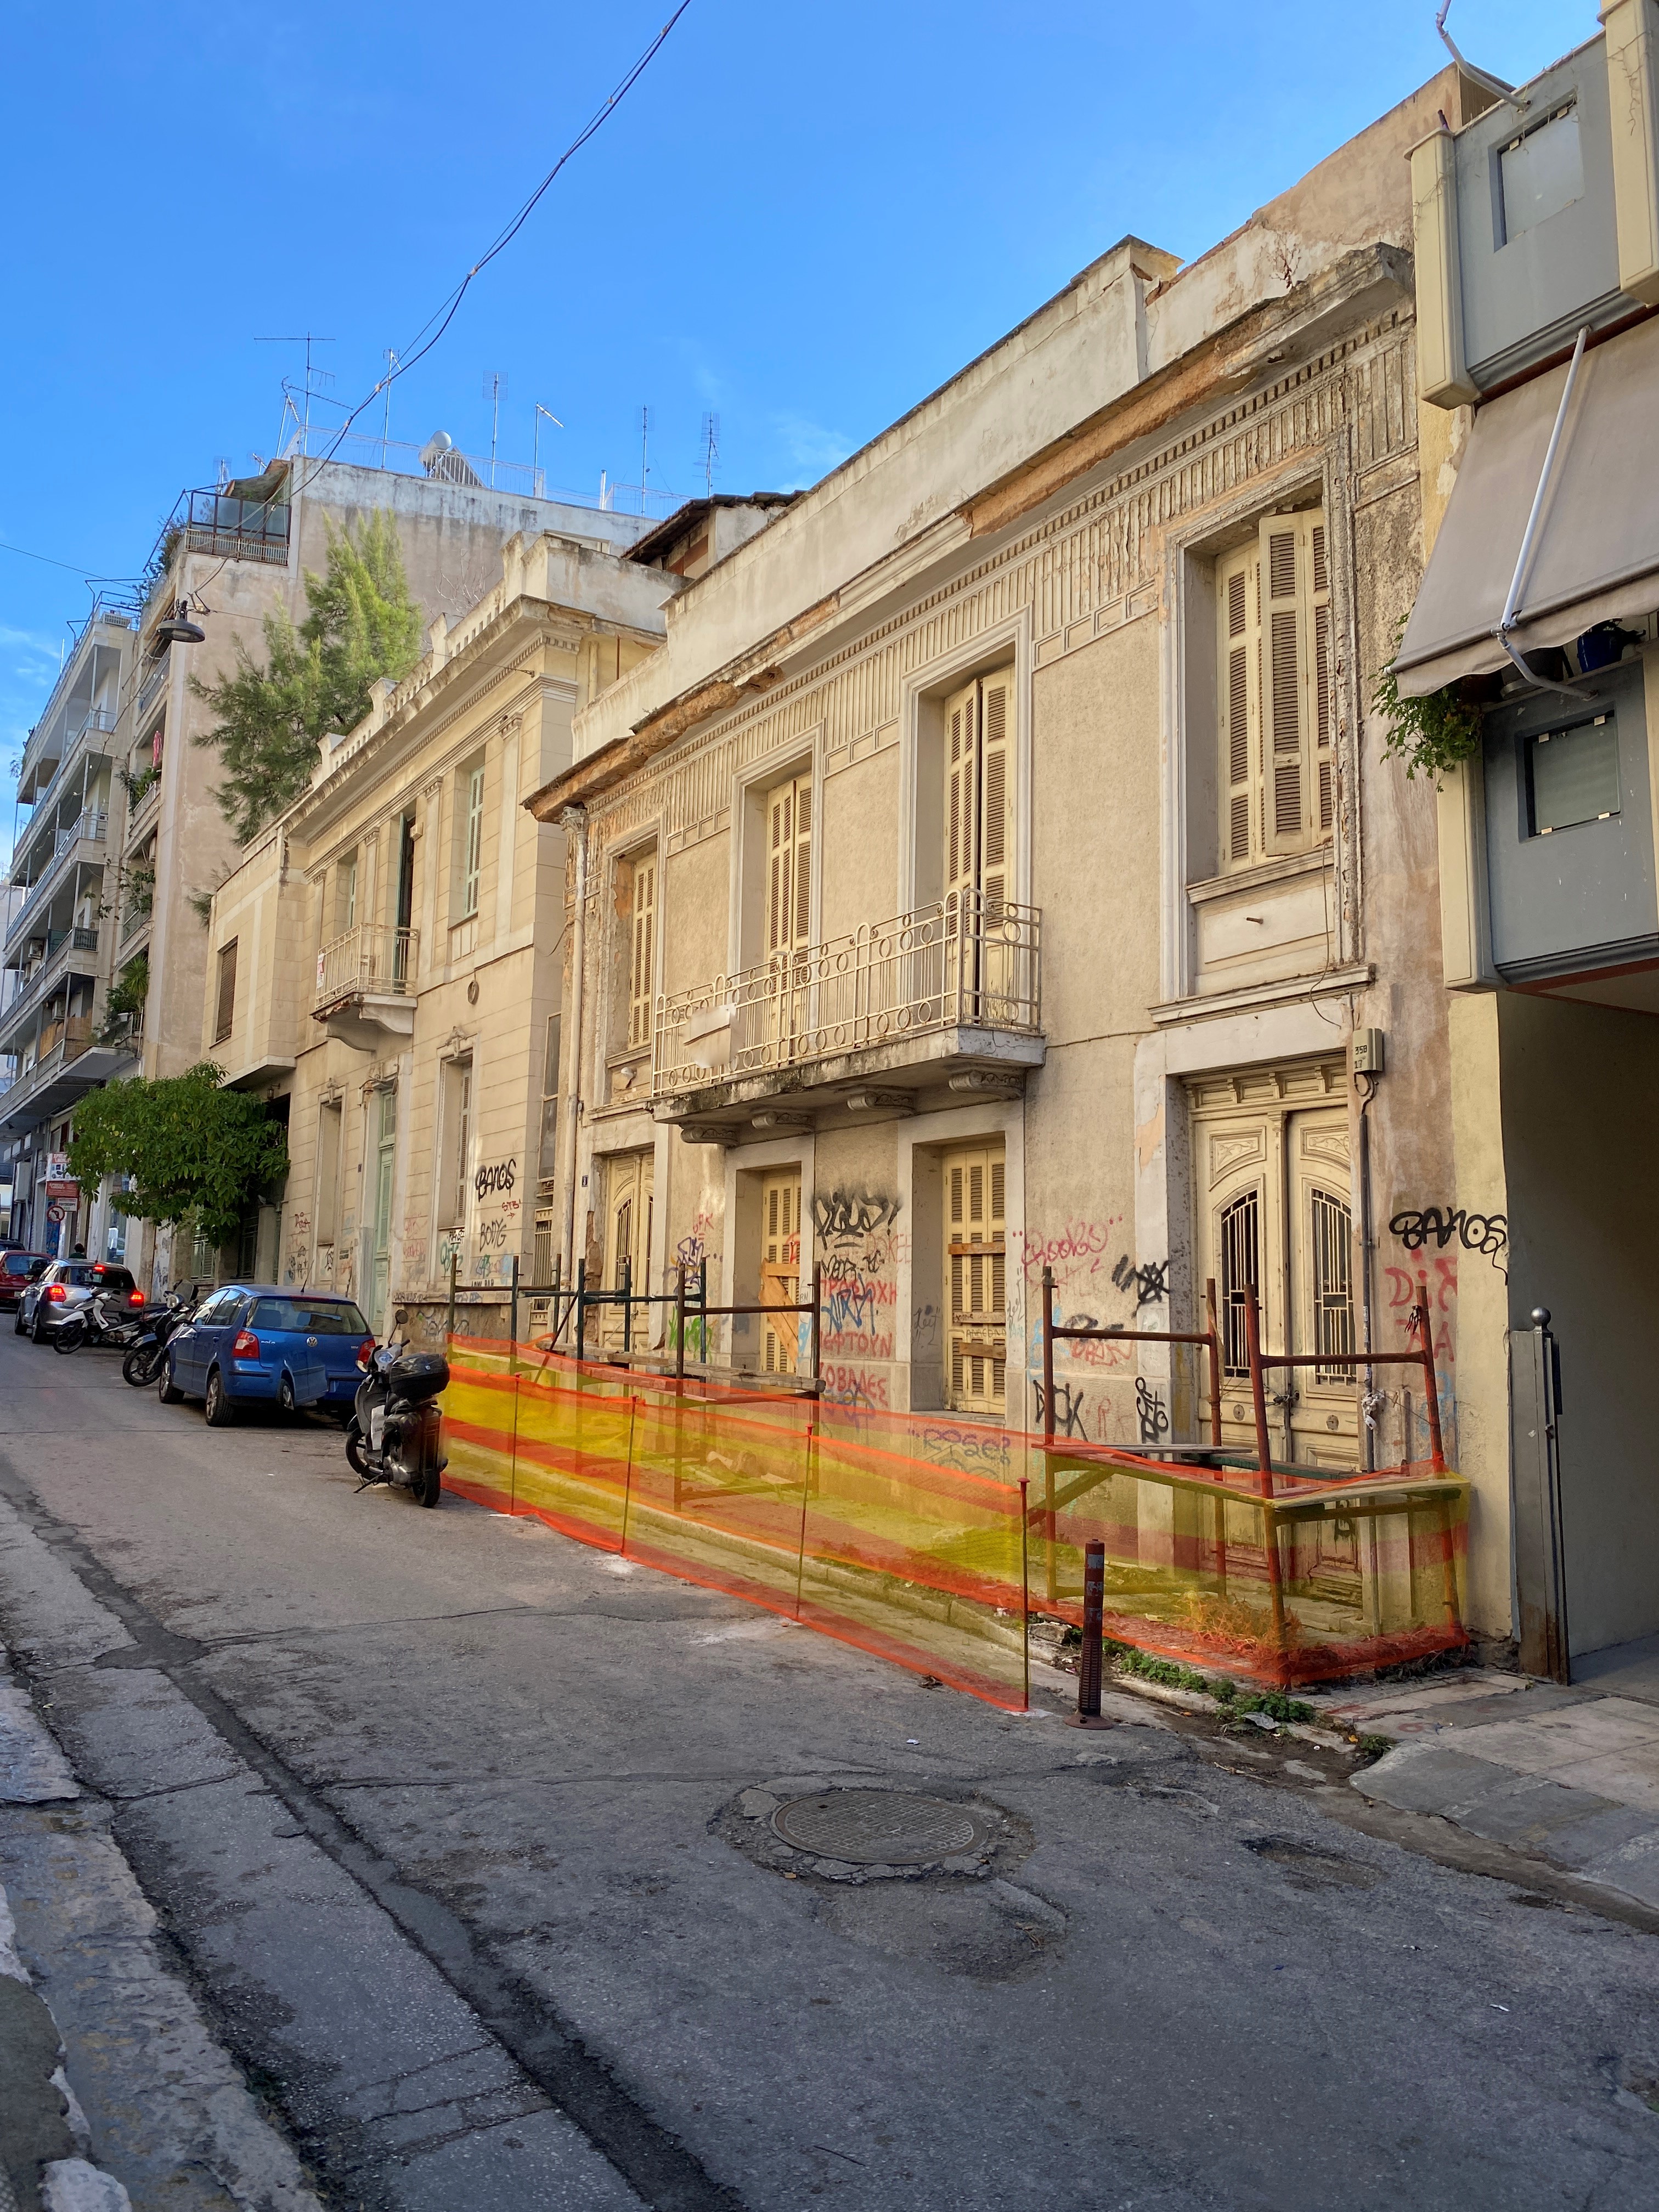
(1275, 1210)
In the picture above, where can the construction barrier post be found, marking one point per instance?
(1094, 1629)
(513, 1322)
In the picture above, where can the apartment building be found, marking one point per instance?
(229, 556)
(1537, 262)
(994, 869)
(59, 1036)
(385, 963)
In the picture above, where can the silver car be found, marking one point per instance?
(67, 1287)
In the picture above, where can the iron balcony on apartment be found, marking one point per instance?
(365, 991)
(51, 858)
(71, 1058)
(945, 999)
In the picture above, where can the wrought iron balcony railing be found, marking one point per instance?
(966, 962)
(367, 962)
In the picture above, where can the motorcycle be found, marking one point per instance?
(159, 1323)
(395, 1434)
(107, 1318)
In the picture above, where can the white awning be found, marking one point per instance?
(1596, 557)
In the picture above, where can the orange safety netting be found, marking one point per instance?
(940, 1545)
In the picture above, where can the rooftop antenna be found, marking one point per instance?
(535, 445)
(711, 451)
(308, 339)
(494, 390)
(386, 420)
(222, 463)
(644, 436)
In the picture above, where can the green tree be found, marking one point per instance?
(361, 623)
(195, 1151)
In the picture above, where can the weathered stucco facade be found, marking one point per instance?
(993, 868)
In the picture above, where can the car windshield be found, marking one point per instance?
(308, 1319)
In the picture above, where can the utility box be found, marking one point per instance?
(1368, 1052)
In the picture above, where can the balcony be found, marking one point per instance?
(72, 1063)
(68, 951)
(99, 722)
(235, 529)
(88, 829)
(366, 986)
(946, 997)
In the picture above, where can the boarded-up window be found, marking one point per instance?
(642, 951)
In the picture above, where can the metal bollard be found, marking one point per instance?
(1094, 1630)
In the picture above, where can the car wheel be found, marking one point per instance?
(169, 1391)
(221, 1413)
(285, 1397)
(17, 1328)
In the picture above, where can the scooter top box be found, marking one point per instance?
(418, 1375)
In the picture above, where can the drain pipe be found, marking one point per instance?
(1506, 621)
(573, 820)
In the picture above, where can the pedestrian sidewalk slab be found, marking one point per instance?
(1570, 1776)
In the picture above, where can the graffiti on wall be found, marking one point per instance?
(857, 1242)
(1149, 1282)
(1150, 1412)
(1417, 1227)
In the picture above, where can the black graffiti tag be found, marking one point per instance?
(844, 1216)
(1150, 1407)
(1068, 1410)
(501, 1177)
(1485, 1233)
(1149, 1282)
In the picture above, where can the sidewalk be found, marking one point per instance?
(1567, 1776)
(114, 2096)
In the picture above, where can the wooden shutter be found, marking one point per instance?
(642, 951)
(996, 791)
(1283, 686)
(780, 1271)
(1237, 594)
(960, 788)
(976, 1271)
(789, 865)
(1299, 756)
(1321, 710)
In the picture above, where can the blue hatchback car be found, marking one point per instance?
(258, 1343)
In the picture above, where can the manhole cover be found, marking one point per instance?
(879, 1827)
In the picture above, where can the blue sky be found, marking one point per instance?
(803, 219)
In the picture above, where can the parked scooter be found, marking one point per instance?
(109, 1317)
(395, 1434)
(144, 1361)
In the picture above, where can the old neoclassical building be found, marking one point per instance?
(993, 868)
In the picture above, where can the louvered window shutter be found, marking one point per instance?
(996, 791)
(777, 890)
(1286, 685)
(1237, 590)
(643, 953)
(803, 872)
(1322, 713)
(961, 787)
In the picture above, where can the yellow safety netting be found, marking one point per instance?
(938, 1545)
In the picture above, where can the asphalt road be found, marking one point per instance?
(447, 1816)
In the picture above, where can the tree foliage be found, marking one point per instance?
(194, 1149)
(361, 623)
(1431, 734)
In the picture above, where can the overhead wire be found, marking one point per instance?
(446, 309)
(445, 313)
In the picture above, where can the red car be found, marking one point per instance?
(17, 1271)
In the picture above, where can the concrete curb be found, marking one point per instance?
(43, 2132)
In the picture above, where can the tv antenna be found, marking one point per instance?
(494, 390)
(711, 451)
(536, 442)
(308, 339)
(645, 447)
